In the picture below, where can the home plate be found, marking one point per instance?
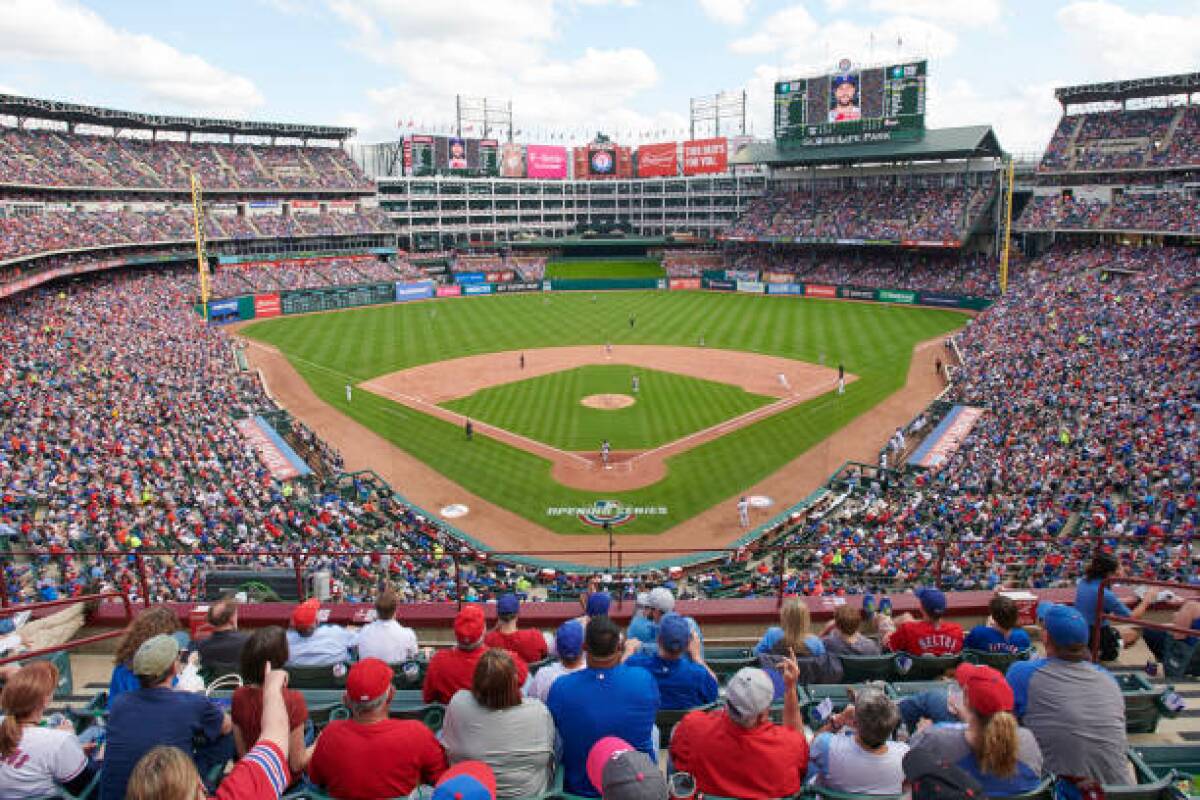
(760, 501)
(454, 510)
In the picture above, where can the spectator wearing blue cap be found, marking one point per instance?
(529, 644)
(595, 604)
(928, 636)
(1073, 707)
(660, 602)
(682, 682)
(568, 643)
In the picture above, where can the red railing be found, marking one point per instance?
(74, 643)
(1101, 616)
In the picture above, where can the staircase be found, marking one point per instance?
(1071, 152)
(1165, 145)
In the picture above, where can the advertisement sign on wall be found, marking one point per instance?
(478, 288)
(705, 155)
(546, 161)
(512, 161)
(267, 305)
(819, 290)
(721, 286)
(657, 160)
(895, 296)
(785, 288)
(449, 291)
(470, 277)
(413, 291)
(685, 283)
(518, 286)
(852, 293)
(499, 277)
(751, 287)
(946, 300)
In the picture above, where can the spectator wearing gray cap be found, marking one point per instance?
(737, 751)
(640, 626)
(659, 603)
(683, 682)
(868, 762)
(1073, 707)
(155, 714)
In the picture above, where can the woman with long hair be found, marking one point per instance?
(794, 634)
(34, 760)
(495, 724)
(1087, 594)
(1002, 756)
(150, 623)
(267, 648)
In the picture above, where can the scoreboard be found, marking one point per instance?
(852, 105)
(337, 297)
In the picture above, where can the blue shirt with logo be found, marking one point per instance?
(682, 683)
(987, 639)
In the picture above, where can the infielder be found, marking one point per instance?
(604, 450)
(349, 392)
(743, 509)
(637, 382)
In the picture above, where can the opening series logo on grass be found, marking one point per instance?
(610, 512)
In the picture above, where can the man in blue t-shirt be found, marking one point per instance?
(606, 699)
(1002, 635)
(682, 683)
(157, 714)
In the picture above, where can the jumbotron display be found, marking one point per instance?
(852, 105)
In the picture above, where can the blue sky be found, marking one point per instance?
(572, 67)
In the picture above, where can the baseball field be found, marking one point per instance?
(731, 389)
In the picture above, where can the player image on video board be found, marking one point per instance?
(844, 99)
(458, 154)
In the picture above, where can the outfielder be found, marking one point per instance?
(637, 382)
(743, 509)
(349, 392)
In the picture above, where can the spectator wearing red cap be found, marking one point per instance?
(931, 636)
(313, 645)
(467, 780)
(370, 755)
(1004, 758)
(493, 723)
(529, 644)
(454, 668)
(738, 751)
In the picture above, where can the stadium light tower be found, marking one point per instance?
(484, 112)
(201, 249)
(725, 107)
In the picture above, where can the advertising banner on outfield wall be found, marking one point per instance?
(685, 283)
(945, 300)
(720, 286)
(750, 287)
(785, 288)
(778, 277)
(819, 290)
(499, 277)
(267, 305)
(470, 277)
(705, 155)
(518, 286)
(895, 296)
(854, 293)
(414, 291)
(741, 274)
(545, 161)
(449, 291)
(657, 160)
(478, 288)
(223, 310)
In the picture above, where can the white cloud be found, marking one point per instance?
(973, 14)
(1113, 42)
(729, 12)
(66, 32)
(1024, 115)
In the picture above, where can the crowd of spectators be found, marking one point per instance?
(691, 263)
(1124, 140)
(59, 159)
(1168, 212)
(308, 273)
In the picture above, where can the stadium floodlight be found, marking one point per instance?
(483, 115)
(713, 110)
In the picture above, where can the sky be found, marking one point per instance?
(575, 67)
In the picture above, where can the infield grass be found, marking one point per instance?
(874, 342)
(585, 268)
(667, 407)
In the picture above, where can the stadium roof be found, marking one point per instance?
(13, 105)
(974, 141)
(1186, 82)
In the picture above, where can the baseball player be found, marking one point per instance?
(608, 349)
(632, 321)
(743, 509)
(522, 361)
(604, 450)
(637, 382)
(841, 385)
(469, 429)
(349, 393)
(841, 371)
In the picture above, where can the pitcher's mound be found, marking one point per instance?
(607, 402)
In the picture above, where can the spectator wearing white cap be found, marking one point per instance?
(659, 603)
(737, 751)
(640, 626)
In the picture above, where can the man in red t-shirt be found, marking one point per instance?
(929, 636)
(369, 755)
(454, 668)
(738, 751)
(529, 644)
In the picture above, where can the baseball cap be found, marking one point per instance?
(661, 599)
(932, 600)
(467, 780)
(508, 604)
(305, 614)
(601, 753)
(1064, 624)
(598, 604)
(674, 633)
(568, 642)
(468, 625)
(985, 688)
(749, 693)
(643, 600)
(155, 655)
(933, 778)
(631, 775)
(368, 679)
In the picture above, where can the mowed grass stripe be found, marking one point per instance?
(591, 268)
(875, 340)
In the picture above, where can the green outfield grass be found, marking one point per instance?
(582, 269)
(873, 341)
(668, 406)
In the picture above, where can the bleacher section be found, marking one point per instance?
(1124, 140)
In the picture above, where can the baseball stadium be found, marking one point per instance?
(483, 458)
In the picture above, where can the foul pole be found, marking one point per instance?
(201, 255)
(1007, 226)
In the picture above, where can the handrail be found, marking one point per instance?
(1101, 616)
(45, 651)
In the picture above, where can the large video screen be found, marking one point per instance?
(442, 155)
(852, 105)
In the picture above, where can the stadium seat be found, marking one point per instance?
(1175, 761)
(409, 674)
(331, 676)
(867, 668)
(1180, 659)
(1143, 702)
(926, 668)
(1161, 789)
(725, 661)
(1000, 661)
(668, 718)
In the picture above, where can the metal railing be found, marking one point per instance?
(74, 643)
(1102, 617)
